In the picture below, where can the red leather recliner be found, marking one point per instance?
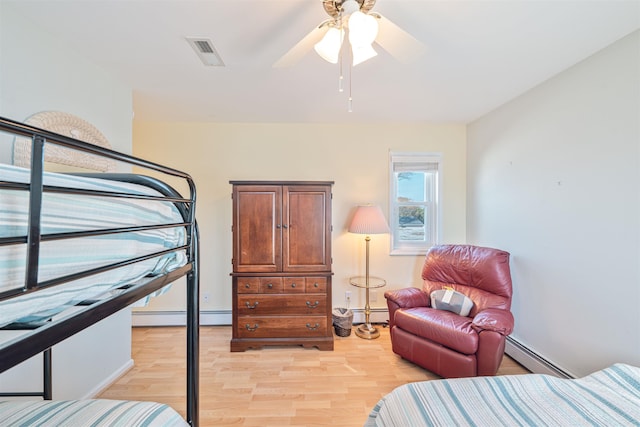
(446, 343)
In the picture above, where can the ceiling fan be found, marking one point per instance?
(363, 28)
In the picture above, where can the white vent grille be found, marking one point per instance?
(205, 51)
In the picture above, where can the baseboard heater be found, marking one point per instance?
(532, 360)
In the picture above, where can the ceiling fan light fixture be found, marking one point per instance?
(329, 47)
(363, 30)
(358, 19)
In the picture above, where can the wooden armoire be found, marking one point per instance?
(281, 264)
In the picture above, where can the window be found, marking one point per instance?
(414, 203)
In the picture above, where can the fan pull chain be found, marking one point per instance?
(350, 103)
(340, 77)
(342, 53)
(340, 61)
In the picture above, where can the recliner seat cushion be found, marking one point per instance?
(443, 327)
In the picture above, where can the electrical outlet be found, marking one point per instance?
(373, 295)
(347, 297)
(206, 296)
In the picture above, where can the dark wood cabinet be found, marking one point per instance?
(281, 264)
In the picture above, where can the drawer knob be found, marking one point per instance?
(311, 328)
(251, 328)
(270, 285)
(314, 305)
(247, 285)
(315, 285)
(249, 306)
(293, 285)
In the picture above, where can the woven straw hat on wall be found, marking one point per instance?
(68, 125)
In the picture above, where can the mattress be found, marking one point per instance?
(610, 397)
(63, 213)
(88, 413)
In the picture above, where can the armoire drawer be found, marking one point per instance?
(276, 285)
(293, 304)
(316, 285)
(248, 285)
(271, 285)
(281, 327)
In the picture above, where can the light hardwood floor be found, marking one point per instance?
(275, 386)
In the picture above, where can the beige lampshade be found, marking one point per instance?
(369, 219)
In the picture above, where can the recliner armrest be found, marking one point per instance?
(408, 297)
(494, 319)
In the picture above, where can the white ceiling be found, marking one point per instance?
(479, 55)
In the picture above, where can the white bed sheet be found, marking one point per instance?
(94, 413)
(609, 397)
(67, 213)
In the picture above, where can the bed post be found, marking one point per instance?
(47, 372)
(193, 330)
(35, 208)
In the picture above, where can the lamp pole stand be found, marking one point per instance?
(367, 330)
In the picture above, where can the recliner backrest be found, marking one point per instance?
(481, 273)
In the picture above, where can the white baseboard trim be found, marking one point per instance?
(532, 360)
(179, 318)
(377, 315)
(223, 317)
(110, 380)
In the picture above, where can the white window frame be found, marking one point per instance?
(420, 162)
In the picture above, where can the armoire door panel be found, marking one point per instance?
(305, 238)
(257, 225)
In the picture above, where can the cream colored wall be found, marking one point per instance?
(354, 156)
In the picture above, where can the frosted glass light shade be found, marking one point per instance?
(363, 30)
(362, 53)
(369, 219)
(329, 47)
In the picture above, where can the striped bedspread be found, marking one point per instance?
(610, 397)
(88, 413)
(69, 213)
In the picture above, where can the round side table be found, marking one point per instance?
(367, 330)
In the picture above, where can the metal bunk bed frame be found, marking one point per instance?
(41, 339)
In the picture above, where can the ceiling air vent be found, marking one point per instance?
(205, 50)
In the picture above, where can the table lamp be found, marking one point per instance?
(367, 220)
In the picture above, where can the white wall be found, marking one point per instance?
(82, 366)
(354, 156)
(39, 74)
(554, 178)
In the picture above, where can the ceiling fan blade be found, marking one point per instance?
(303, 46)
(400, 44)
